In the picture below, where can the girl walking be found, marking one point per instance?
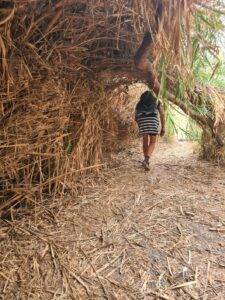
(147, 113)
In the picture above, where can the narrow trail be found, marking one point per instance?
(135, 235)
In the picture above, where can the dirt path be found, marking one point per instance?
(136, 235)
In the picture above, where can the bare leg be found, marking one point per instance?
(151, 145)
(146, 140)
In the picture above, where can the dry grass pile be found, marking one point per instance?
(59, 64)
(55, 112)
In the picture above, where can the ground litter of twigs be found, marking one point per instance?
(131, 235)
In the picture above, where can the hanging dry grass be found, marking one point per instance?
(54, 112)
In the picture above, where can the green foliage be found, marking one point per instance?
(204, 63)
(208, 62)
(180, 125)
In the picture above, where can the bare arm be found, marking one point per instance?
(162, 119)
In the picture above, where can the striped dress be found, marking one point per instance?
(148, 123)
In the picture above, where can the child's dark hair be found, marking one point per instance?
(147, 98)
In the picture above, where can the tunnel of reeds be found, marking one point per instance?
(66, 67)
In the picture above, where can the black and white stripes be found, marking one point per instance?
(148, 124)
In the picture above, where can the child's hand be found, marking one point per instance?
(162, 133)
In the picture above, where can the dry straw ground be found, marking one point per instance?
(60, 61)
(131, 235)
